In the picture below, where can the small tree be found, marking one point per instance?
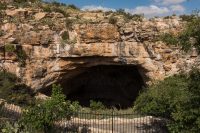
(43, 115)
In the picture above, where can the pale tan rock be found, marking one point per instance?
(39, 16)
(90, 43)
(9, 27)
(16, 12)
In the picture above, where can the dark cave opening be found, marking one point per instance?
(113, 85)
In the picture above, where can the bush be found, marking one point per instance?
(65, 35)
(73, 7)
(161, 99)
(21, 57)
(96, 105)
(187, 116)
(9, 48)
(189, 37)
(113, 20)
(14, 93)
(169, 39)
(176, 99)
(68, 23)
(128, 16)
(3, 6)
(43, 115)
(60, 10)
(187, 18)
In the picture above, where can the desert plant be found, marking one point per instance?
(68, 23)
(189, 37)
(21, 57)
(169, 39)
(1, 33)
(96, 105)
(113, 20)
(127, 16)
(10, 48)
(3, 6)
(65, 35)
(162, 98)
(187, 116)
(60, 10)
(14, 93)
(43, 115)
(48, 21)
(73, 7)
(176, 99)
(187, 18)
(13, 127)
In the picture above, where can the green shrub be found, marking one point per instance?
(3, 6)
(12, 127)
(14, 93)
(161, 99)
(167, 17)
(60, 10)
(43, 115)
(1, 33)
(24, 1)
(65, 35)
(73, 7)
(176, 99)
(128, 16)
(169, 39)
(96, 105)
(21, 57)
(187, 116)
(48, 21)
(46, 8)
(10, 48)
(187, 18)
(189, 37)
(68, 23)
(113, 20)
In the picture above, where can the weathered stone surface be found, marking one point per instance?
(90, 33)
(39, 15)
(51, 58)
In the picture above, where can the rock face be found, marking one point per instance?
(55, 51)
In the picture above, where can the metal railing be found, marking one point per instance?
(98, 122)
(112, 123)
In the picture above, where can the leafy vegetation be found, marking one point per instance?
(43, 115)
(65, 35)
(127, 16)
(21, 57)
(169, 39)
(176, 99)
(3, 6)
(189, 37)
(113, 20)
(10, 48)
(73, 7)
(96, 105)
(13, 92)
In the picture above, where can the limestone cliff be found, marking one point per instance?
(58, 47)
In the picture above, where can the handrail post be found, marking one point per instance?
(112, 121)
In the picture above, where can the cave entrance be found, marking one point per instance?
(113, 85)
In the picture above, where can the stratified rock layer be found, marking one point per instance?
(56, 51)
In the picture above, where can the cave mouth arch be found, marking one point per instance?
(113, 85)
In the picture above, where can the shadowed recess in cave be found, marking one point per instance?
(113, 85)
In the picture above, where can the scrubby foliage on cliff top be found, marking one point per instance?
(176, 99)
(189, 37)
